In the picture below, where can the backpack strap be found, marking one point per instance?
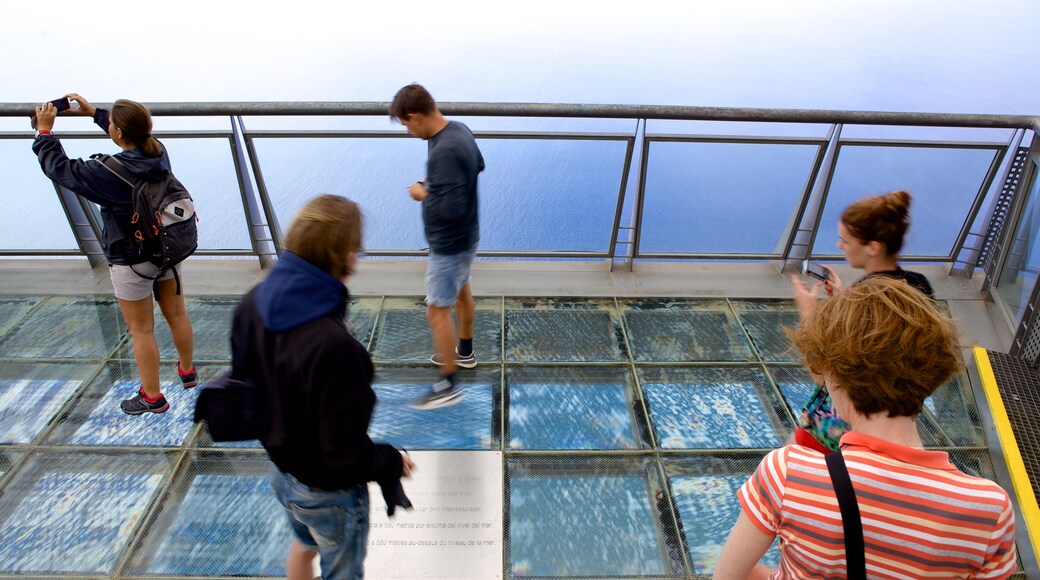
(116, 167)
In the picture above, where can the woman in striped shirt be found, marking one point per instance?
(882, 348)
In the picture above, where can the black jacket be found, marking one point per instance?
(99, 185)
(316, 377)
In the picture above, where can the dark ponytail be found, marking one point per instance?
(135, 121)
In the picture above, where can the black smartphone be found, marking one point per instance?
(62, 104)
(816, 271)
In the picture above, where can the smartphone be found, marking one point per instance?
(816, 271)
(62, 104)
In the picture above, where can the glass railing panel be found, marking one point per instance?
(536, 195)
(206, 168)
(1022, 260)
(33, 218)
(730, 198)
(944, 183)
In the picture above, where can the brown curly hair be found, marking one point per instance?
(883, 342)
(882, 218)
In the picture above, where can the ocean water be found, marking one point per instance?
(539, 194)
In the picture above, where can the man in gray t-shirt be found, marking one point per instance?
(450, 218)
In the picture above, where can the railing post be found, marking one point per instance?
(85, 220)
(634, 143)
(809, 224)
(257, 214)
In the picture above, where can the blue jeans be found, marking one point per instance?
(333, 523)
(445, 276)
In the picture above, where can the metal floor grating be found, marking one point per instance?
(1019, 386)
(617, 422)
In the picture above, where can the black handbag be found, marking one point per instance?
(230, 404)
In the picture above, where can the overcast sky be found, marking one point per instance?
(922, 55)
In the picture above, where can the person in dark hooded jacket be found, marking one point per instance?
(317, 398)
(129, 124)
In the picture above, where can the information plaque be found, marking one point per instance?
(455, 527)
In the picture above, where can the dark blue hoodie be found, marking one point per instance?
(297, 292)
(316, 379)
(99, 185)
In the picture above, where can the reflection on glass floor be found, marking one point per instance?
(626, 426)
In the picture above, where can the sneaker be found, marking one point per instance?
(467, 362)
(137, 405)
(437, 399)
(188, 379)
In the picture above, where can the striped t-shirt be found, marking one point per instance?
(922, 517)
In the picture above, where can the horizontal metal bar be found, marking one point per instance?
(220, 134)
(492, 254)
(287, 133)
(927, 144)
(707, 256)
(370, 108)
(753, 139)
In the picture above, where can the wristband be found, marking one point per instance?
(43, 132)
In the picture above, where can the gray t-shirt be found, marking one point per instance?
(450, 212)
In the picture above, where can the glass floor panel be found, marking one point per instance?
(96, 419)
(602, 519)
(210, 321)
(713, 408)
(13, 309)
(676, 331)
(67, 327)
(556, 331)
(32, 394)
(623, 429)
(222, 520)
(403, 334)
(92, 501)
(361, 317)
(764, 321)
(572, 408)
(466, 425)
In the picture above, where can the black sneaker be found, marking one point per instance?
(437, 399)
(467, 362)
(137, 405)
(188, 379)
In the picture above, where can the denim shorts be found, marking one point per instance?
(445, 276)
(334, 523)
(131, 287)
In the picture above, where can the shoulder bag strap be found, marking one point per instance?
(855, 558)
(241, 351)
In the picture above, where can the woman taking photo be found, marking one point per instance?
(129, 124)
(882, 348)
(317, 398)
(870, 235)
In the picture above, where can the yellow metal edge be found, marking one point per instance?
(1016, 467)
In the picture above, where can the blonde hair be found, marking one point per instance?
(882, 218)
(882, 342)
(325, 232)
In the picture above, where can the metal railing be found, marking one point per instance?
(625, 239)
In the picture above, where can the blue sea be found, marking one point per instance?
(538, 194)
